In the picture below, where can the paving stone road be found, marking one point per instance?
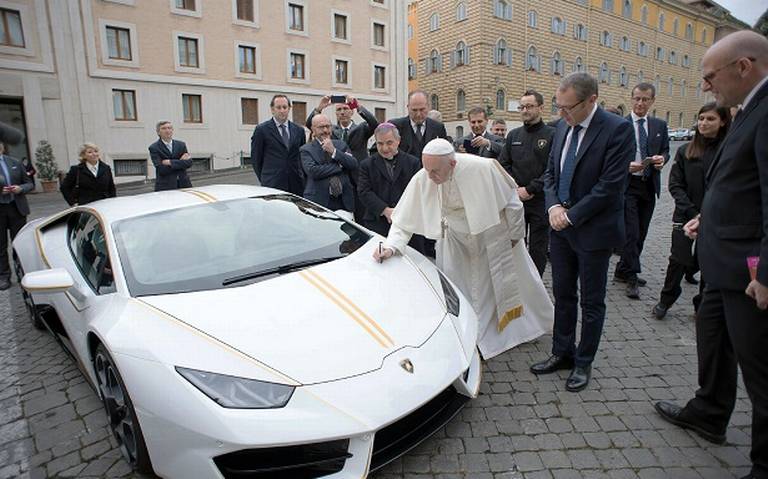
(521, 426)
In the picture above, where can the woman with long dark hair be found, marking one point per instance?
(686, 184)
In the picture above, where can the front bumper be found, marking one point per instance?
(377, 417)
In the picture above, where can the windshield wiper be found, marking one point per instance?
(282, 269)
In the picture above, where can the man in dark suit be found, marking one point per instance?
(525, 156)
(328, 165)
(171, 159)
(584, 193)
(383, 177)
(644, 184)
(732, 234)
(416, 129)
(14, 209)
(481, 142)
(275, 147)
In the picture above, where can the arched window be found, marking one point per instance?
(459, 131)
(555, 110)
(675, 26)
(608, 5)
(434, 22)
(698, 90)
(660, 54)
(625, 44)
(501, 100)
(642, 49)
(557, 66)
(644, 15)
(657, 85)
(502, 55)
(434, 102)
(673, 57)
(460, 55)
(580, 32)
(502, 9)
(533, 19)
(558, 25)
(661, 21)
(606, 39)
(532, 60)
(461, 100)
(604, 75)
(461, 11)
(683, 88)
(689, 32)
(578, 65)
(640, 77)
(626, 10)
(666, 118)
(704, 36)
(623, 79)
(686, 61)
(622, 110)
(411, 69)
(680, 119)
(671, 86)
(434, 63)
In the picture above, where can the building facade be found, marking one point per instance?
(106, 71)
(488, 52)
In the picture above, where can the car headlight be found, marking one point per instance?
(238, 393)
(451, 298)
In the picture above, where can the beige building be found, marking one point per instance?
(107, 70)
(488, 52)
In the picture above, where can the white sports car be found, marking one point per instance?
(243, 332)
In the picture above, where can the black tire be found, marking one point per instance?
(29, 303)
(121, 417)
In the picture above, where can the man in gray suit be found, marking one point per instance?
(479, 141)
(13, 208)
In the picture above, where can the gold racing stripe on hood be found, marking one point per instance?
(350, 308)
(203, 196)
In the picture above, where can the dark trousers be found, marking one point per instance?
(672, 290)
(11, 221)
(639, 202)
(730, 329)
(572, 267)
(537, 231)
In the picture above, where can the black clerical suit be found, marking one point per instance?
(381, 184)
(524, 156)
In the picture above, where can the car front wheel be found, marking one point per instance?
(120, 413)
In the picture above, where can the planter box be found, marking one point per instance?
(49, 185)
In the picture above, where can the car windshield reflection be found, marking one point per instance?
(229, 243)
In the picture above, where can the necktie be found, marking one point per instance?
(345, 136)
(642, 140)
(419, 136)
(569, 165)
(284, 134)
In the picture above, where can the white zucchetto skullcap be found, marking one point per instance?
(438, 147)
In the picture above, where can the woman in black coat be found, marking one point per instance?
(90, 180)
(686, 184)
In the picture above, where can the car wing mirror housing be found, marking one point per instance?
(56, 280)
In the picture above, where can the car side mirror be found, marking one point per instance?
(56, 280)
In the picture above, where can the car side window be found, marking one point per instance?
(88, 246)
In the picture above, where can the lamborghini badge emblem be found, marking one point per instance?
(407, 365)
(542, 143)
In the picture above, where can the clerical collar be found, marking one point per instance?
(530, 128)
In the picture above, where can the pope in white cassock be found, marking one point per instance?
(470, 206)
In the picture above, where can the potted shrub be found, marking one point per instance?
(47, 171)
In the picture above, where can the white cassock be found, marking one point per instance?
(474, 217)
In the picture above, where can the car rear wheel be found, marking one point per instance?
(120, 413)
(29, 304)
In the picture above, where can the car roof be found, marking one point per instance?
(122, 207)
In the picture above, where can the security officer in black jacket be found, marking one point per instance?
(525, 156)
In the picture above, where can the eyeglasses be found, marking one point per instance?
(711, 75)
(526, 107)
(569, 109)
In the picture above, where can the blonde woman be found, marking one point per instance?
(90, 180)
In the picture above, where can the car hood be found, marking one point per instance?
(324, 323)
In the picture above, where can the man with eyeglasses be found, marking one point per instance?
(584, 194)
(644, 184)
(525, 156)
(732, 321)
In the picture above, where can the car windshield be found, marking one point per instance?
(229, 243)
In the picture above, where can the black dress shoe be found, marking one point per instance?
(660, 310)
(691, 279)
(624, 279)
(4, 284)
(578, 379)
(676, 415)
(633, 291)
(552, 364)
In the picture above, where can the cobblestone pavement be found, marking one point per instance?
(521, 426)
